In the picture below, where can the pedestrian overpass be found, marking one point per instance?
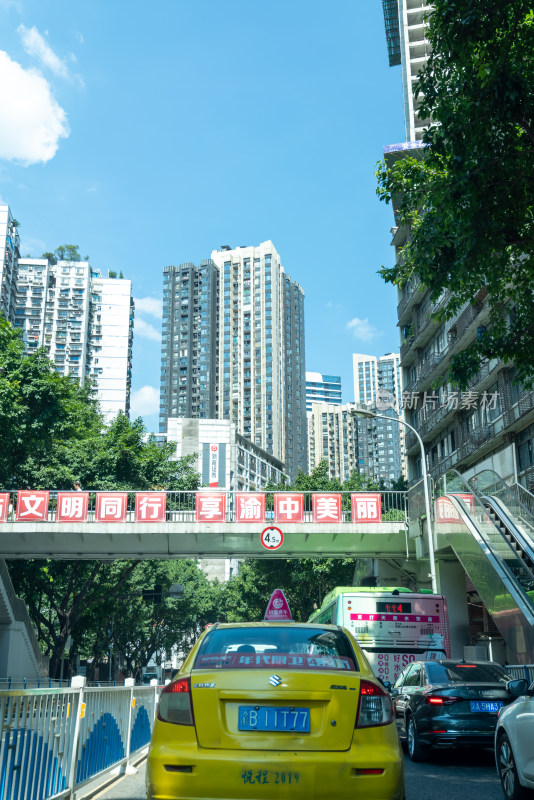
(483, 528)
(118, 525)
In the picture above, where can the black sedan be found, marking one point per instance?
(448, 703)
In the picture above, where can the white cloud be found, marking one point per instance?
(144, 401)
(7, 4)
(146, 330)
(150, 305)
(362, 329)
(35, 45)
(34, 123)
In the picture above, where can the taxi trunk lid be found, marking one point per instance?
(222, 704)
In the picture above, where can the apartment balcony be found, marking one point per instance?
(474, 440)
(411, 293)
(406, 346)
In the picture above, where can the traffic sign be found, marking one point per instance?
(272, 538)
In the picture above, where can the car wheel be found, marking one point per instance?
(508, 772)
(416, 750)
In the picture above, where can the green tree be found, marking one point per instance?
(52, 433)
(39, 409)
(469, 202)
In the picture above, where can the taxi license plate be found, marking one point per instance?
(486, 705)
(274, 718)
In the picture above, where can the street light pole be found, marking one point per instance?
(363, 412)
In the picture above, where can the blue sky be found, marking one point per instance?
(151, 133)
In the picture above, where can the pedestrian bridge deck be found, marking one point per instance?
(159, 524)
(91, 540)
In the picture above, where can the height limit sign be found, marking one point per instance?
(272, 538)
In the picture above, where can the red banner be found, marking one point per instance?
(210, 507)
(32, 506)
(111, 506)
(250, 507)
(4, 506)
(366, 507)
(150, 506)
(72, 506)
(288, 507)
(327, 508)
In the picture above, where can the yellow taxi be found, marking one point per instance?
(275, 709)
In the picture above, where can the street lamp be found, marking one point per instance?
(364, 412)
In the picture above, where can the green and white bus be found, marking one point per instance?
(393, 625)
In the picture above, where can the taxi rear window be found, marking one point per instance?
(291, 647)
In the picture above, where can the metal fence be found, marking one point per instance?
(53, 741)
(521, 671)
(181, 506)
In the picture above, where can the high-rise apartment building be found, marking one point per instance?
(233, 348)
(322, 389)
(9, 254)
(408, 46)
(491, 423)
(189, 348)
(333, 437)
(378, 384)
(84, 321)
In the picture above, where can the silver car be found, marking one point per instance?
(514, 743)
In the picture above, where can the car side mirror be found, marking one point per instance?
(517, 688)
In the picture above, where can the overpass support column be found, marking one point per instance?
(451, 584)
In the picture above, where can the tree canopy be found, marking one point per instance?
(469, 201)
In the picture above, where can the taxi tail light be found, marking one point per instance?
(175, 703)
(441, 699)
(375, 707)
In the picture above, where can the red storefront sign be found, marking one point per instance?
(327, 508)
(72, 506)
(211, 507)
(150, 506)
(250, 507)
(111, 506)
(366, 507)
(288, 507)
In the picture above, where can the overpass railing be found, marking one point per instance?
(54, 741)
(205, 505)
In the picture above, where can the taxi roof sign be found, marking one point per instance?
(278, 608)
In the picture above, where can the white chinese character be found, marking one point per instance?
(367, 509)
(112, 507)
(249, 508)
(409, 400)
(149, 504)
(2, 505)
(32, 504)
(210, 507)
(469, 400)
(489, 401)
(71, 507)
(452, 401)
(327, 508)
(289, 507)
(430, 398)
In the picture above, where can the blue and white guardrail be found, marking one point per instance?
(53, 741)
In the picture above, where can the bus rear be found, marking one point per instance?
(393, 625)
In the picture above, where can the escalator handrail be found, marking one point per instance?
(501, 485)
(508, 578)
(511, 525)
